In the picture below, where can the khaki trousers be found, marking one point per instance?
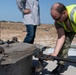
(64, 50)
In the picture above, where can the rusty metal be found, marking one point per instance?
(52, 58)
(38, 53)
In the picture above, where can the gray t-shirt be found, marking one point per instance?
(32, 18)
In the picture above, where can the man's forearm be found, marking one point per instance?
(59, 45)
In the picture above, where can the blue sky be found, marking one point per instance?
(10, 12)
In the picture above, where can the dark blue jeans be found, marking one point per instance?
(31, 30)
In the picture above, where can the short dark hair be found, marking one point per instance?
(60, 8)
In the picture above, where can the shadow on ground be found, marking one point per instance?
(45, 71)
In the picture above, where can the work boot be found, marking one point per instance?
(59, 69)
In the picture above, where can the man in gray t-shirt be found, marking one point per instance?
(31, 17)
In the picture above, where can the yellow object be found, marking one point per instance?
(72, 17)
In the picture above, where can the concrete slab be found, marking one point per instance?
(16, 59)
(16, 51)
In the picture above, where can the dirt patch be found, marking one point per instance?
(45, 35)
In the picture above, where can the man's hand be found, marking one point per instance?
(26, 11)
(53, 54)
